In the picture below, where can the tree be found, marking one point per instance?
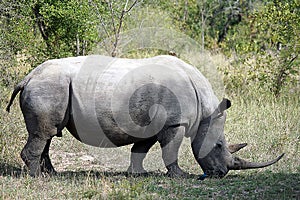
(112, 21)
(278, 28)
(65, 26)
(266, 43)
(33, 31)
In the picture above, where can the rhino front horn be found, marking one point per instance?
(238, 163)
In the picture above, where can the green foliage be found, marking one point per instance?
(280, 23)
(66, 26)
(16, 36)
(209, 21)
(261, 38)
(268, 52)
(34, 31)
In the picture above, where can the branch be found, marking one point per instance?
(40, 22)
(281, 77)
(100, 18)
(117, 32)
(112, 15)
(133, 4)
(292, 60)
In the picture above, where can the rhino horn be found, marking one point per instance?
(236, 147)
(238, 163)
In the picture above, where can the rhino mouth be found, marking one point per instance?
(216, 173)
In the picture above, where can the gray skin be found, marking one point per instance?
(83, 95)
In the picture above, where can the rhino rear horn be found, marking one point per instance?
(236, 147)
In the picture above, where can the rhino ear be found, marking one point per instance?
(225, 104)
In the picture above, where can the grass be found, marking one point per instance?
(269, 126)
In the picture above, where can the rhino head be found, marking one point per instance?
(211, 150)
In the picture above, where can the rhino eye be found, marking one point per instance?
(219, 144)
(220, 115)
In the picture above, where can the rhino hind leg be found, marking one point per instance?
(170, 141)
(31, 154)
(44, 105)
(35, 153)
(45, 162)
(138, 153)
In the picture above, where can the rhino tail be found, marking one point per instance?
(17, 89)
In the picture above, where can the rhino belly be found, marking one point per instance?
(103, 123)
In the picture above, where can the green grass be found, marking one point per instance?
(270, 127)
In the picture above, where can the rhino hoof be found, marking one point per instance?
(133, 170)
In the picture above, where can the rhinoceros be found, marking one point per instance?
(111, 102)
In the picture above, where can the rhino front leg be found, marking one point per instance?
(31, 154)
(138, 153)
(170, 141)
(46, 165)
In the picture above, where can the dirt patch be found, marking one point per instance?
(68, 154)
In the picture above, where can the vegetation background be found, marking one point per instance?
(253, 43)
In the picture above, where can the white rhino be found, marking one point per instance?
(111, 102)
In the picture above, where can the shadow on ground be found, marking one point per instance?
(11, 170)
(18, 172)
